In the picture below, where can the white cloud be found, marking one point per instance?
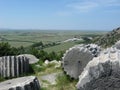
(108, 3)
(86, 6)
(113, 4)
(83, 6)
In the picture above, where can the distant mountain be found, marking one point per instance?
(108, 39)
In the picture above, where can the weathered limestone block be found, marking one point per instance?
(12, 66)
(32, 58)
(76, 58)
(117, 45)
(102, 73)
(22, 83)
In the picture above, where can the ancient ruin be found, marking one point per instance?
(32, 58)
(76, 58)
(22, 83)
(13, 66)
(102, 73)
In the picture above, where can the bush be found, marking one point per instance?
(6, 49)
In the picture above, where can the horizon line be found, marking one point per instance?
(15, 29)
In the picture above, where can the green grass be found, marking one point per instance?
(1, 79)
(18, 44)
(48, 69)
(63, 81)
(26, 38)
(61, 47)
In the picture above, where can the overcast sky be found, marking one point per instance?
(60, 14)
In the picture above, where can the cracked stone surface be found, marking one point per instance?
(51, 78)
(77, 57)
(22, 83)
(13, 66)
(117, 45)
(102, 73)
(32, 58)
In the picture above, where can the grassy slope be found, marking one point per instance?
(26, 38)
(61, 47)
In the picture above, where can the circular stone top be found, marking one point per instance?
(32, 58)
(16, 82)
(76, 58)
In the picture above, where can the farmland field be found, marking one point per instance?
(17, 38)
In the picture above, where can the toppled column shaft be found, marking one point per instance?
(102, 73)
(13, 66)
(23, 83)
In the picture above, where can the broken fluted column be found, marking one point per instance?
(32, 58)
(102, 73)
(77, 57)
(13, 66)
(23, 83)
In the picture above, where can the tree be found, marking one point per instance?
(6, 49)
(38, 44)
(21, 50)
(53, 56)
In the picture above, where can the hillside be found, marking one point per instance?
(108, 39)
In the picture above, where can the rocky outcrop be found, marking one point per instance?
(51, 78)
(109, 39)
(76, 58)
(32, 58)
(102, 73)
(73, 39)
(23, 83)
(13, 66)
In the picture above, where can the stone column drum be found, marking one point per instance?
(102, 73)
(13, 66)
(23, 83)
(77, 57)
